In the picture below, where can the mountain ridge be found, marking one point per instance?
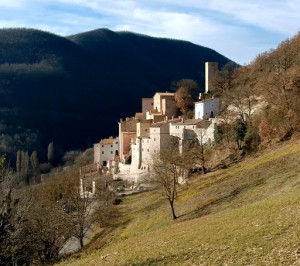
(73, 90)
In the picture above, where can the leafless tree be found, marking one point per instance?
(47, 228)
(166, 169)
(14, 204)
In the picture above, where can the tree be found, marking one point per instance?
(51, 153)
(224, 80)
(90, 206)
(18, 162)
(13, 206)
(34, 165)
(166, 169)
(185, 95)
(2, 162)
(240, 132)
(22, 166)
(47, 227)
(85, 205)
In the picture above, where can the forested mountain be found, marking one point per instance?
(73, 90)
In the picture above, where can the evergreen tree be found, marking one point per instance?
(34, 165)
(18, 163)
(51, 153)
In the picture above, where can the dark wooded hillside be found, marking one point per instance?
(73, 90)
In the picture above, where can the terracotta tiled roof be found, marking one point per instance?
(165, 93)
(161, 123)
(198, 122)
(107, 141)
(189, 122)
(207, 100)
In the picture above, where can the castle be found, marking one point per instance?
(149, 132)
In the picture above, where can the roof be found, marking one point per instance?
(198, 122)
(145, 121)
(162, 123)
(165, 94)
(189, 122)
(110, 140)
(207, 100)
(128, 125)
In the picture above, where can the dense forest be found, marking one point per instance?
(73, 90)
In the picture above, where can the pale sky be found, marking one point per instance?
(238, 29)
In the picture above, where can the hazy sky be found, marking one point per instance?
(237, 29)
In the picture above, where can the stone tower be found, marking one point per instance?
(211, 70)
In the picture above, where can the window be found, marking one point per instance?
(111, 146)
(102, 146)
(146, 130)
(154, 139)
(102, 152)
(147, 150)
(112, 152)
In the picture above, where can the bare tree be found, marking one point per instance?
(90, 206)
(166, 169)
(47, 227)
(13, 205)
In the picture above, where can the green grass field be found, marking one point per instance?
(248, 214)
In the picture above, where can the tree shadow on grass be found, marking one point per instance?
(207, 205)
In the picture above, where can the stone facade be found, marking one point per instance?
(211, 70)
(164, 102)
(127, 134)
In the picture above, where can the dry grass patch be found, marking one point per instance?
(248, 214)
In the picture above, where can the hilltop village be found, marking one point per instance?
(129, 155)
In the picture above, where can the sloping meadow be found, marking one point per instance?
(248, 214)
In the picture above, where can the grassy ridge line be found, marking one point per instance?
(247, 214)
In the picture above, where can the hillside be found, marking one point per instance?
(73, 90)
(247, 214)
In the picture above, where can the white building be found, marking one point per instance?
(140, 147)
(209, 108)
(106, 150)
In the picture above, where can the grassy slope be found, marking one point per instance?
(248, 214)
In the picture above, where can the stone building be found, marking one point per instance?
(127, 135)
(207, 108)
(106, 150)
(193, 130)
